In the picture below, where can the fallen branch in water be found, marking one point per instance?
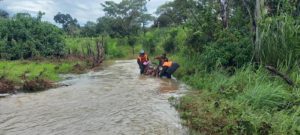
(283, 76)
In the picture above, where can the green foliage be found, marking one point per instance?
(235, 94)
(132, 41)
(280, 40)
(3, 14)
(18, 71)
(231, 49)
(265, 96)
(170, 44)
(23, 37)
(113, 50)
(163, 21)
(81, 46)
(69, 24)
(174, 12)
(89, 29)
(196, 41)
(149, 42)
(250, 101)
(127, 16)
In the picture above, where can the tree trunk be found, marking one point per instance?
(258, 16)
(282, 75)
(252, 21)
(224, 12)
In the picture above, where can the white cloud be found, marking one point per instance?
(83, 10)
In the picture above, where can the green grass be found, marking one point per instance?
(119, 49)
(244, 100)
(14, 70)
(250, 101)
(76, 45)
(115, 48)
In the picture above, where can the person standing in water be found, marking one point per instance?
(161, 60)
(169, 68)
(142, 61)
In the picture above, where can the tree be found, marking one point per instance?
(176, 10)
(89, 29)
(163, 21)
(129, 18)
(69, 24)
(224, 12)
(3, 14)
(104, 25)
(24, 36)
(129, 15)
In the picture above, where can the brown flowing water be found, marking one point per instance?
(113, 101)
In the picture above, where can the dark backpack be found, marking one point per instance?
(173, 68)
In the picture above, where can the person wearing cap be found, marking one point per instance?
(142, 61)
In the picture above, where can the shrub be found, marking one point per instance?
(170, 44)
(25, 37)
(232, 49)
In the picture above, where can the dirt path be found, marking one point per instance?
(114, 101)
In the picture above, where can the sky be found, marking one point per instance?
(82, 10)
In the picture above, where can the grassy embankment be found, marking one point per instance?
(34, 75)
(243, 100)
(251, 101)
(27, 74)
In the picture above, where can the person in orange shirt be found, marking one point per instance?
(142, 61)
(169, 68)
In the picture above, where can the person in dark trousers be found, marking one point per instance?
(142, 61)
(169, 68)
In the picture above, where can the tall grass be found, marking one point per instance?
(80, 45)
(250, 101)
(114, 47)
(280, 40)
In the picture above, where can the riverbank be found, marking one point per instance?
(36, 75)
(231, 93)
(248, 100)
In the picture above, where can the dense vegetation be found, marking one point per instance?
(229, 43)
(24, 36)
(223, 47)
(33, 53)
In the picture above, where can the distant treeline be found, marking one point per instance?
(23, 36)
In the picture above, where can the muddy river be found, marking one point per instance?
(113, 101)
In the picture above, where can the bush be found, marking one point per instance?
(231, 49)
(196, 41)
(25, 37)
(112, 50)
(170, 44)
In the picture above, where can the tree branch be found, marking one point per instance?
(283, 76)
